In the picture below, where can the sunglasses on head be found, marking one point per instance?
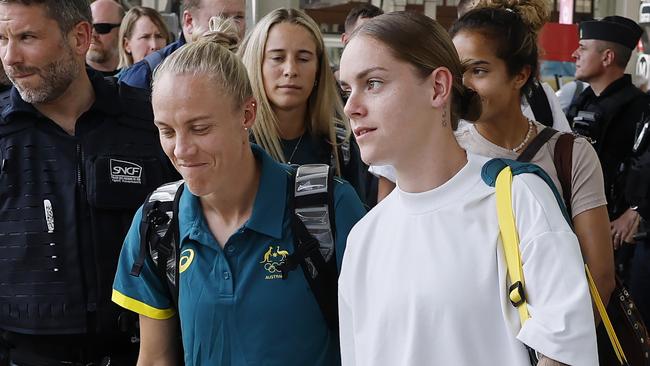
(104, 28)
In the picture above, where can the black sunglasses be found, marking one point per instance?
(104, 28)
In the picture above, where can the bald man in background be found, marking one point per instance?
(103, 53)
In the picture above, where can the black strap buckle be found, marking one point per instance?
(304, 250)
(516, 294)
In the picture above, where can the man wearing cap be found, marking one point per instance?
(609, 113)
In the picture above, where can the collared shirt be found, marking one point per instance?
(234, 306)
(139, 75)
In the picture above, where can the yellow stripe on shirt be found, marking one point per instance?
(140, 307)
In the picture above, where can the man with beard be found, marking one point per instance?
(196, 18)
(77, 157)
(103, 53)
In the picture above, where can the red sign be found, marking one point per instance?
(558, 41)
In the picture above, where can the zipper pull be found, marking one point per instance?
(49, 216)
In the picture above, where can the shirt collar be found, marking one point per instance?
(269, 206)
(105, 99)
(617, 85)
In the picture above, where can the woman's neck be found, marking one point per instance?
(233, 204)
(508, 129)
(291, 121)
(429, 166)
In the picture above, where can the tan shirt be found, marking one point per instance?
(588, 188)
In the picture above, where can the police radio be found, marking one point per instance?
(587, 124)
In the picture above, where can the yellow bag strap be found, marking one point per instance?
(618, 350)
(510, 239)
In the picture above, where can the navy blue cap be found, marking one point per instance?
(615, 29)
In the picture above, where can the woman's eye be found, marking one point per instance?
(374, 84)
(201, 129)
(167, 132)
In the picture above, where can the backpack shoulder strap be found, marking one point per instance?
(499, 173)
(312, 224)
(563, 160)
(542, 137)
(159, 235)
(540, 105)
(343, 143)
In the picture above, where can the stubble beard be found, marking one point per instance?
(56, 78)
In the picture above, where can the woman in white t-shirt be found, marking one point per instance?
(423, 280)
(498, 45)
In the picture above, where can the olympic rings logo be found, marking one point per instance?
(272, 267)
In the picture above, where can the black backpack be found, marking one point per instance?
(312, 224)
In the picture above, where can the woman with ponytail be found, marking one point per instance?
(424, 277)
(239, 301)
(498, 43)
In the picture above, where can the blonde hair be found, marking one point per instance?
(211, 57)
(324, 106)
(128, 24)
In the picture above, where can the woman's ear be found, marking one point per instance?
(441, 81)
(127, 45)
(250, 113)
(522, 76)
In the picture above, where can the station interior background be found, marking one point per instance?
(557, 40)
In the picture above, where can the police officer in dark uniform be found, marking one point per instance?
(608, 112)
(78, 155)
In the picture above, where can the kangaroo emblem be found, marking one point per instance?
(267, 255)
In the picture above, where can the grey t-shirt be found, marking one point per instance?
(587, 186)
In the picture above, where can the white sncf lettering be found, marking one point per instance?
(125, 172)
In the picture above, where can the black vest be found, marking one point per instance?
(611, 120)
(66, 203)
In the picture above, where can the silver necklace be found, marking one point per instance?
(295, 148)
(528, 134)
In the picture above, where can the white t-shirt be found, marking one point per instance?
(423, 280)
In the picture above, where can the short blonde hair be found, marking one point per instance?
(211, 57)
(325, 108)
(128, 24)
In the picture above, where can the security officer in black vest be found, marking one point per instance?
(78, 155)
(609, 113)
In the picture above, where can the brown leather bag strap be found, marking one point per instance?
(533, 147)
(563, 160)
